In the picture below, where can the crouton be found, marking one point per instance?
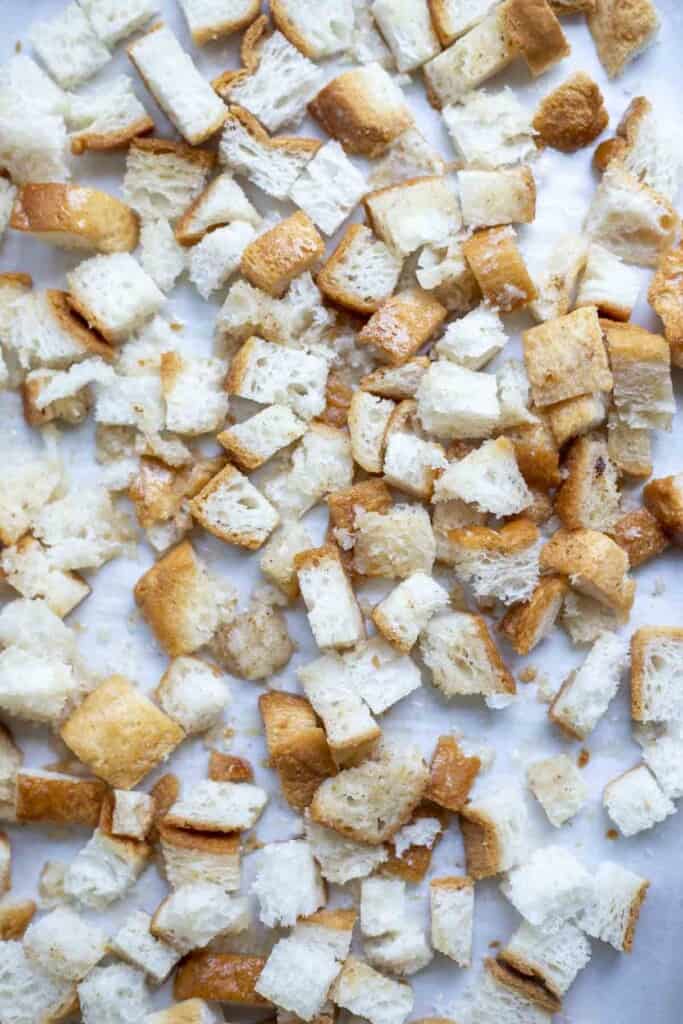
(453, 401)
(621, 33)
(394, 544)
(48, 395)
(368, 495)
(196, 913)
(584, 619)
(113, 294)
(64, 945)
(635, 802)
(361, 273)
(643, 394)
(272, 164)
(557, 282)
(73, 217)
(163, 177)
(11, 759)
(450, 515)
(193, 392)
(401, 952)
(525, 625)
(608, 284)
(104, 870)
(363, 991)
(566, 358)
(382, 905)
(68, 46)
(58, 798)
(26, 567)
(224, 977)
(320, 464)
(557, 785)
(190, 857)
(402, 324)
(189, 1011)
(44, 332)
(192, 693)
(574, 417)
(595, 565)
(221, 202)
(287, 883)
(411, 463)
(452, 909)
(408, 32)
(111, 992)
(350, 728)
(277, 556)
(664, 499)
(210, 21)
(328, 188)
(666, 298)
(589, 496)
(28, 994)
(452, 774)
(503, 993)
(107, 118)
(231, 508)
(614, 911)
(496, 262)
(533, 30)
(550, 888)
(180, 90)
(134, 943)
(489, 198)
(443, 270)
(114, 21)
(133, 814)
(377, 673)
(462, 658)
(15, 919)
(120, 734)
(218, 807)
(409, 156)
(256, 644)
(490, 130)
(296, 744)
(488, 478)
(572, 115)
(417, 212)
(630, 448)
(586, 693)
(404, 613)
(277, 256)
(83, 529)
(473, 340)
(498, 563)
(452, 19)
(333, 612)
(630, 219)
(272, 374)
(494, 828)
(553, 960)
(37, 687)
(32, 148)
(213, 261)
(342, 859)
(479, 54)
(644, 148)
(655, 651)
(640, 535)
(316, 33)
(369, 803)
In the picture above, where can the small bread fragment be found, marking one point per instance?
(255, 440)
(557, 282)
(622, 31)
(278, 553)
(108, 118)
(500, 564)
(490, 130)
(218, 807)
(104, 870)
(73, 217)
(644, 148)
(364, 991)
(68, 46)
(557, 785)
(525, 625)
(474, 339)
(566, 357)
(489, 478)
(27, 567)
(163, 177)
(363, 109)
(57, 798)
(133, 814)
(643, 392)
(416, 212)
(192, 693)
(665, 295)
(287, 883)
(630, 218)
(635, 802)
(220, 977)
(630, 448)
(404, 613)
(229, 768)
(232, 509)
(479, 54)
(614, 911)
(256, 644)
(452, 911)
(589, 496)
(221, 202)
(113, 21)
(594, 564)
(410, 857)
(640, 535)
(586, 693)
(210, 21)
(350, 728)
(554, 960)
(402, 325)
(276, 257)
(458, 650)
(368, 421)
(489, 198)
(361, 273)
(495, 831)
(411, 463)
(533, 30)
(572, 115)
(333, 612)
(499, 268)
(395, 543)
(317, 33)
(297, 745)
(321, 463)
(28, 994)
(505, 994)
(180, 90)
(190, 856)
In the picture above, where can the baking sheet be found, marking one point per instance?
(615, 987)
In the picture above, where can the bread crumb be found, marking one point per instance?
(658, 587)
(545, 688)
(583, 757)
(612, 834)
(528, 674)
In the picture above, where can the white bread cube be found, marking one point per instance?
(361, 273)
(556, 283)
(444, 271)
(62, 394)
(328, 188)
(514, 394)
(452, 18)
(397, 382)
(496, 831)
(256, 439)
(82, 530)
(585, 695)
(479, 54)
(27, 994)
(28, 486)
(112, 994)
(496, 197)
(195, 914)
(342, 859)
(114, 294)
(131, 401)
(405, 612)
(133, 814)
(462, 658)
(209, 20)
(664, 757)
(488, 478)
(21, 77)
(382, 905)
(27, 568)
(43, 332)
(190, 856)
(278, 555)
(643, 393)
(410, 462)
(549, 889)
(331, 929)
(214, 260)
(104, 870)
(272, 374)
(321, 464)
(134, 943)
(297, 976)
(180, 90)
(394, 544)
(278, 89)
(218, 807)
(287, 883)
(557, 784)
(368, 419)
(192, 692)
(221, 203)
(502, 564)
(451, 515)
(474, 339)
(490, 130)
(402, 952)
(644, 146)
(415, 213)
(617, 900)
(68, 46)
(554, 960)
(160, 254)
(349, 726)
(231, 508)
(635, 802)
(503, 996)
(621, 33)
(107, 117)
(630, 448)
(163, 178)
(272, 164)
(333, 612)
(196, 402)
(453, 401)
(608, 284)
(451, 901)
(32, 145)
(407, 29)
(379, 675)
(32, 627)
(316, 32)
(64, 945)
(113, 20)
(37, 688)
(365, 992)
(409, 156)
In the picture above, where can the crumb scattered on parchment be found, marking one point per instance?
(612, 834)
(528, 674)
(658, 587)
(583, 758)
(495, 944)
(545, 688)
(17, 46)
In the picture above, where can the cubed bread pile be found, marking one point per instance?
(359, 371)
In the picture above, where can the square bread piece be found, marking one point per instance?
(135, 944)
(361, 273)
(657, 663)
(209, 20)
(422, 211)
(287, 883)
(489, 478)
(181, 91)
(232, 509)
(256, 439)
(452, 774)
(113, 20)
(221, 203)
(594, 564)
(28, 994)
(566, 357)
(163, 177)
(608, 284)
(405, 612)
(641, 367)
(664, 499)
(317, 32)
(190, 856)
(64, 945)
(218, 807)
(489, 198)
(453, 401)
(120, 734)
(640, 535)
(550, 888)
(333, 612)
(558, 786)
(503, 995)
(534, 31)
(68, 46)
(635, 802)
(297, 746)
(273, 374)
(613, 913)
(217, 977)
(193, 915)
(58, 798)
(490, 130)
(407, 28)
(365, 992)
(500, 564)
(463, 660)
(554, 960)
(133, 814)
(499, 269)
(322, 463)
(364, 109)
(495, 830)
(350, 728)
(585, 695)
(328, 188)
(114, 294)
(402, 325)
(622, 31)
(275, 258)
(452, 912)
(111, 992)
(452, 18)
(479, 54)
(193, 693)
(395, 543)
(74, 217)
(630, 219)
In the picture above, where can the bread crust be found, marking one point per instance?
(640, 535)
(89, 218)
(451, 775)
(499, 268)
(664, 499)
(537, 454)
(204, 158)
(533, 29)
(566, 358)
(626, 137)
(483, 851)
(349, 111)
(64, 310)
(228, 768)
(275, 258)
(526, 624)
(297, 746)
(621, 29)
(572, 115)
(161, 595)
(402, 325)
(86, 140)
(15, 919)
(65, 800)
(223, 977)
(640, 642)
(665, 295)
(414, 863)
(526, 986)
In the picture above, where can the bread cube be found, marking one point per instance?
(163, 177)
(256, 644)
(566, 357)
(365, 992)
(462, 658)
(618, 899)
(333, 612)
(57, 798)
(404, 613)
(554, 960)
(210, 21)
(134, 943)
(214, 260)
(272, 374)
(369, 495)
(630, 448)
(297, 746)
(490, 130)
(479, 54)
(503, 994)
(216, 977)
(556, 283)
(525, 625)
(452, 18)
(644, 147)
(589, 496)
(111, 992)
(255, 440)
(133, 814)
(104, 870)
(630, 219)
(113, 294)
(533, 30)
(572, 115)
(490, 198)
(232, 509)
(595, 565)
(640, 535)
(664, 499)
(361, 273)
(68, 46)
(495, 831)
(37, 687)
(635, 802)
(443, 270)
(26, 567)
(407, 29)
(422, 211)
(190, 857)
(382, 905)
(410, 462)
(550, 888)
(499, 564)
(608, 284)
(287, 883)
(73, 217)
(297, 976)
(574, 417)
(351, 730)
(452, 911)
(340, 858)
(15, 918)
(643, 393)
(195, 914)
(655, 654)
(665, 295)
(322, 463)
(278, 553)
(453, 401)
(277, 256)
(585, 695)
(620, 34)
(316, 33)
(218, 807)
(221, 203)
(402, 324)
(113, 20)
(401, 952)
(64, 945)
(452, 774)
(473, 340)
(44, 332)
(192, 693)
(557, 785)
(488, 478)
(368, 421)
(394, 544)
(328, 188)
(499, 269)
(27, 993)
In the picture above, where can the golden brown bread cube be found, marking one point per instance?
(275, 258)
(572, 115)
(533, 29)
(499, 268)
(402, 325)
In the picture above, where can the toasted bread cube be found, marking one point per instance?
(630, 219)
(68, 46)
(404, 613)
(488, 478)
(443, 270)
(453, 401)
(452, 910)
(479, 54)
(664, 499)
(490, 198)
(572, 115)
(229, 768)
(499, 270)
(394, 544)
(665, 295)
(133, 814)
(407, 29)
(272, 164)
(114, 991)
(343, 859)
(277, 256)
(28, 994)
(504, 993)
(316, 33)
(221, 203)
(533, 30)
(574, 417)
(182, 602)
(351, 730)
(589, 496)
(498, 563)
(195, 914)
(278, 554)
(402, 325)
(452, 774)
(58, 798)
(135, 944)
(585, 695)
(328, 188)
(554, 960)
(180, 90)
(495, 831)
(618, 898)
(322, 463)
(490, 130)
(655, 654)
(272, 374)
(297, 746)
(73, 217)
(104, 870)
(473, 340)
(287, 883)
(256, 644)
(190, 857)
(630, 448)
(566, 357)
(368, 422)
(368, 495)
(452, 18)
(621, 33)
(64, 945)
(113, 294)
(635, 802)
(458, 650)
(375, 672)
(218, 807)
(365, 992)
(361, 273)
(193, 393)
(537, 454)
(333, 612)
(644, 147)
(26, 566)
(585, 619)
(550, 888)
(37, 688)
(209, 21)
(556, 283)
(120, 734)
(595, 565)
(422, 211)
(557, 785)
(192, 693)
(163, 177)
(608, 284)
(363, 109)
(640, 535)
(643, 393)
(226, 977)
(525, 625)
(231, 508)
(411, 463)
